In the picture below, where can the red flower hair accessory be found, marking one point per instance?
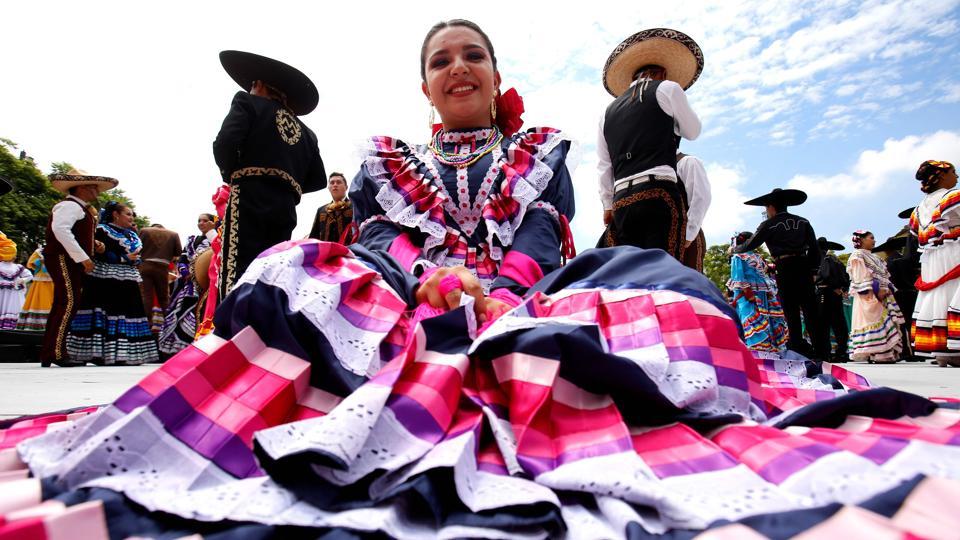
(509, 110)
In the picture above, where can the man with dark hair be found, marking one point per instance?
(793, 244)
(833, 282)
(160, 247)
(644, 205)
(67, 255)
(267, 155)
(334, 219)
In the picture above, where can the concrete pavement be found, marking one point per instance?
(30, 389)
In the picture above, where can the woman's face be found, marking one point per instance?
(204, 223)
(868, 242)
(123, 218)
(460, 79)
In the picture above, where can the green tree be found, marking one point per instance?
(115, 194)
(24, 212)
(716, 265)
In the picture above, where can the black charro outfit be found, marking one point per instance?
(793, 245)
(651, 212)
(269, 158)
(904, 268)
(332, 221)
(832, 281)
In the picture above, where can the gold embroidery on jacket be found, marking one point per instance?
(266, 171)
(288, 126)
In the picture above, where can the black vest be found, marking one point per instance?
(639, 134)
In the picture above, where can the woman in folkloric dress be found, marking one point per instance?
(110, 327)
(14, 279)
(448, 376)
(936, 224)
(755, 298)
(180, 321)
(36, 307)
(875, 328)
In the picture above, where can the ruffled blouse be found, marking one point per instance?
(503, 217)
(119, 244)
(936, 220)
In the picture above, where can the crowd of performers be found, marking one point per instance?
(453, 368)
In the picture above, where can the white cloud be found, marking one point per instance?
(727, 213)
(874, 170)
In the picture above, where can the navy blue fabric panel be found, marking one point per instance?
(402, 282)
(628, 267)
(876, 403)
(266, 309)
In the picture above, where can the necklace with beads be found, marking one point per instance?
(464, 160)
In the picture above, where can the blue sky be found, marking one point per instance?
(843, 99)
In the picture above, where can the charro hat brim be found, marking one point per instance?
(780, 197)
(63, 182)
(827, 245)
(244, 68)
(905, 214)
(895, 243)
(672, 50)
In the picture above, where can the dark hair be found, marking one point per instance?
(447, 24)
(106, 214)
(340, 174)
(743, 237)
(930, 172)
(210, 217)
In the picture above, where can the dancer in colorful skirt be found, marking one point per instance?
(111, 327)
(36, 308)
(755, 298)
(875, 329)
(180, 321)
(14, 279)
(936, 224)
(380, 390)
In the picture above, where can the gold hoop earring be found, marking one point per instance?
(432, 118)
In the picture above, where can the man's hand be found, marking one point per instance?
(607, 216)
(87, 266)
(686, 244)
(99, 247)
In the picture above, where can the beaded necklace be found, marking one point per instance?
(462, 161)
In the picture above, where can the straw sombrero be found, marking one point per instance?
(76, 177)
(781, 197)
(245, 67)
(673, 50)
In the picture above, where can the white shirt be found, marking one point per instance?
(65, 216)
(694, 176)
(686, 124)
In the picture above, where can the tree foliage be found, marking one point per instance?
(716, 265)
(24, 212)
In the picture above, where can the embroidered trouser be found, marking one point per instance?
(651, 215)
(260, 214)
(695, 252)
(832, 319)
(67, 277)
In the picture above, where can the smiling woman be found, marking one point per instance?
(449, 376)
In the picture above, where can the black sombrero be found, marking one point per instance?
(245, 67)
(905, 214)
(6, 186)
(894, 243)
(672, 50)
(780, 197)
(827, 245)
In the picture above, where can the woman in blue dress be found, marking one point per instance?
(755, 297)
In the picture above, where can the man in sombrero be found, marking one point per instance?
(643, 203)
(67, 255)
(832, 283)
(267, 155)
(793, 245)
